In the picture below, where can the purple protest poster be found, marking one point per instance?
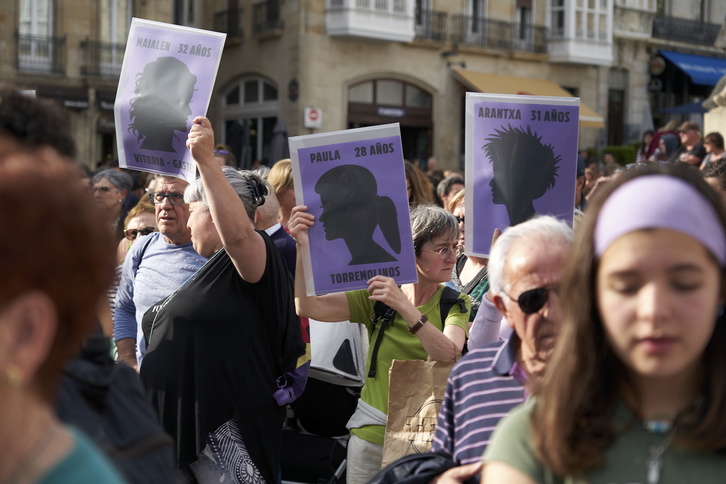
(354, 183)
(521, 161)
(166, 80)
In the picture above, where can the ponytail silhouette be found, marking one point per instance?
(352, 210)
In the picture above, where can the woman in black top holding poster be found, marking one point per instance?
(219, 343)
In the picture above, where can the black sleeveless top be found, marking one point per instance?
(215, 351)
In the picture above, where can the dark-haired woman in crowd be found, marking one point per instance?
(642, 154)
(635, 391)
(714, 144)
(420, 191)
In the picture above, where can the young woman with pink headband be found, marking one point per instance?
(636, 389)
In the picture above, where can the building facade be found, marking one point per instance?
(293, 67)
(667, 57)
(71, 51)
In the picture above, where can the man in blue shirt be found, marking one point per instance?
(155, 266)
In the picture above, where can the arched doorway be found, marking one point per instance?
(382, 101)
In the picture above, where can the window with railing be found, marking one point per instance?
(685, 30)
(431, 25)
(498, 34)
(102, 58)
(41, 54)
(35, 36)
(266, 16)
(229, 22)
(105, 56)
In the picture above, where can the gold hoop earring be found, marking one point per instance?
(13, 376)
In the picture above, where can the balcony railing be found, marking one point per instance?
(266, 16)
(431, 25)
(41, 54)
(102, 58)
(647, 5)
(229, 22)
(685, 30)
(387, 20)
(498, 34)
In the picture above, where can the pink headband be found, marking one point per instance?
(664, 202)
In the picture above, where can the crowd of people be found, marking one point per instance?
(592, 355)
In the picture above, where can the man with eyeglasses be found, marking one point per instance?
(525, 268)
(155, 266)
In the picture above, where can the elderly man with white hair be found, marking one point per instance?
(525, 267)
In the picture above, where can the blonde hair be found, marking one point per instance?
(456, 200)
(280, 176)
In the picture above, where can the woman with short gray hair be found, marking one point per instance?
(220, 346)
(416, 332)
(110, 188)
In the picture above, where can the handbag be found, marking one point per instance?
(416, 393)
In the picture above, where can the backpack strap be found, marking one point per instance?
(141, 254)
(450, 297)
(382, 317)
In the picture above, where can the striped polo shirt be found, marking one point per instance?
(482, 388)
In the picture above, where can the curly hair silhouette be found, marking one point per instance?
(524, 169)
(352, 210)
(161, 106)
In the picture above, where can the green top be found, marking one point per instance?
(397, 343)
(625, 460)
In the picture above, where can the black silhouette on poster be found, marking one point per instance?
(161, 105)
(524, 168)
(352, 210)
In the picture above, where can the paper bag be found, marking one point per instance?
(415, 396)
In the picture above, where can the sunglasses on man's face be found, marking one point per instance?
(533, 300)
(131, 234)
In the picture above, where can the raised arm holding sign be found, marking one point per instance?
(167, 76)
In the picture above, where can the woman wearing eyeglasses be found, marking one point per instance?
(154, 267)
(417, 331)
(110, 188)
